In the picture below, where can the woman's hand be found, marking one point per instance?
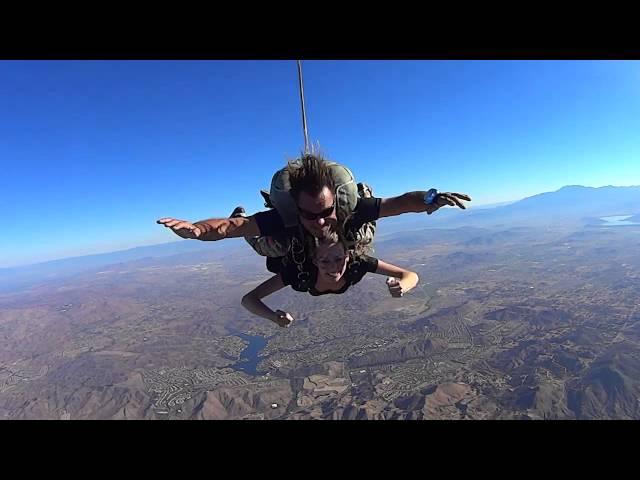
(397, 288)
(283, 319)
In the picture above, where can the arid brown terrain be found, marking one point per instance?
(506, 323)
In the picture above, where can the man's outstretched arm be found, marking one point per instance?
(414, 202)
(214, 228)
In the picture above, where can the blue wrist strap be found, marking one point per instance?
(431, 196)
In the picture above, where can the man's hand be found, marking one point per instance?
(448, 198)
(214, 228)
(283, 319)
(413, 202)
(182, 228)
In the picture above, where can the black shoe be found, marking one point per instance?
(364, 190)
(238, 212)
(267, 199)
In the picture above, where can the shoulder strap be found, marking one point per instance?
(297, 251)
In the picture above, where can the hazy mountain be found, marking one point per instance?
(574, 203)
(23, 276)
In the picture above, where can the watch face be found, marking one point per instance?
(430, 197)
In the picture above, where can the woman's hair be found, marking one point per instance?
(332, 237)
(329, 238)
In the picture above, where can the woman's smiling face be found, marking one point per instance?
(331, 261)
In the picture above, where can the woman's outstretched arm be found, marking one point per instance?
(400, 281)
(252, 301)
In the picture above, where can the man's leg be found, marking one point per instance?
(368, 231)
(364, 190)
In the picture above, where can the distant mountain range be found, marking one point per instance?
(576, 202)
(15, 278)
(571, 204)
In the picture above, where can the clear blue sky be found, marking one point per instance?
(93, 152)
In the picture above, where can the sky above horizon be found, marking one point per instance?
(94, 152)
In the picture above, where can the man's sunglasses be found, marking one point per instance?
(315, 216)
